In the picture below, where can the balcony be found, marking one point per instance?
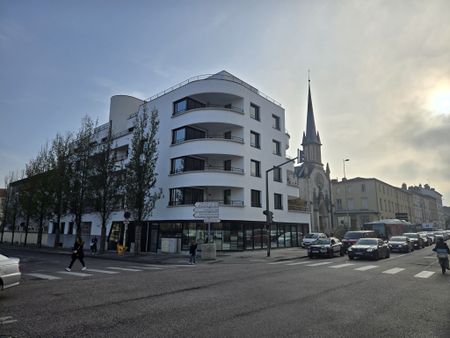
(222, 203)
(210, 168)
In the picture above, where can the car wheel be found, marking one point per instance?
(388, 254)
(331, 253)
(310, 256)
(350, 257)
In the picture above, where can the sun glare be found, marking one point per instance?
(440, 101)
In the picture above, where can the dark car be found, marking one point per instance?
(416, 239)
(326, 247)
(373, 248)
(351, 237)
(400, 244)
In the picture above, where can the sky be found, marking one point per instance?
(380, 72)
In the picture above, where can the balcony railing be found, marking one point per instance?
(214, 168)
(222, 203)
(208, 106)
(212, 137)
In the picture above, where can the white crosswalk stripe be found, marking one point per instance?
(123, 269)
(7, 320)
(102, 271)
(298, 263)
(366, 267)
(78, 274)
(341, 266)
(319, 264)
(42, 276)
(393, 271)
(145, 267)
(424, 274)
(280, 262)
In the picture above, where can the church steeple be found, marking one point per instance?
(311, 140)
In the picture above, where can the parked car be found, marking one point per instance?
(351, 237)
(326, 247)
(312, 237)
(400, 244)
(416, 239)
(373, 248)
(9, 272)
(427, 241)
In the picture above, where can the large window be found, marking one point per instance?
(227, 196)
(255, 140)
(186, 133)
(278, 201)
(186, 163)
(256, 198)
(276, 148)
(275, 122)
(255, 169)
(254, 112)
(277, 175)
(185, 104)
(181, 196)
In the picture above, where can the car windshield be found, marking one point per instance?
(353, 235)
(398, 239)
(311, 236)
(322, 241)
(367, 241)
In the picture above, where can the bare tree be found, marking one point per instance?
(140, 178)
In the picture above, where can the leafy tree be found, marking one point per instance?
(8, 202)
(106, 183)
(59, 158)
(140, 177)
(80, 170)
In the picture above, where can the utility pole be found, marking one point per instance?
(267, 212)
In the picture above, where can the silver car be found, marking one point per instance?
(9, 272)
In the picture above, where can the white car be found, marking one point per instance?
(311, 238)
(9, 272)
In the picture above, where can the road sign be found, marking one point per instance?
(208, 211)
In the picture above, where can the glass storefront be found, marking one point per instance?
(228, 236)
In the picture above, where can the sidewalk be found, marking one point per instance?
(277, 254)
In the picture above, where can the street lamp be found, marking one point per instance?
(267, 212)
(343, 165)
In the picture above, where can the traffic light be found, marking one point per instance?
(269, 215)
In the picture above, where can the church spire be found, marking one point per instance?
(312, 136)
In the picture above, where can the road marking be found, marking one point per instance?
(145, 267)
(366, 267)
(424, 274)
(103, 271)
(187, 265)
(318, 264)
(280, 262)
(341, 266)
(7, 320)
(257, 260)
(123, 269)
(42, 276)
(393, 271)
(298, 263)
(78, 274)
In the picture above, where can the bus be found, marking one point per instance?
(386, 228)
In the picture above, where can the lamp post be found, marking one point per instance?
(343, 165)
(267, 212)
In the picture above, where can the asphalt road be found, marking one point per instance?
(403, 296)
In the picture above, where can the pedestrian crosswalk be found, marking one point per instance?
(354, 266)
(110, 270)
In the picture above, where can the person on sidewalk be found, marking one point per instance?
(77, 253)
(94, 245)
(192, 252)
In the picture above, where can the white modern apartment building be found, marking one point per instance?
(217, 137)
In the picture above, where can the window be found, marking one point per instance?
(277, 175)
(350, 204)
(254, 111)
(276, 149)
(363, 187)
(227, 196)
(275, 122)
(186, 104)
(227, 165)
(256, 198)
(186, 133)
(339, 204)
(227, 135)
(186, 163)
(181, 196)
(255, 169)
(278, 201)
(364, 203)
(254, 140)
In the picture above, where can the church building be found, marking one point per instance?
(314, 181)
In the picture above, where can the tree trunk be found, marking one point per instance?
(26, 230)
(137, 238)
(13, 227)
(103, 237)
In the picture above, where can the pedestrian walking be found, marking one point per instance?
(94, 245)
(77, 253)
(192, 252)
